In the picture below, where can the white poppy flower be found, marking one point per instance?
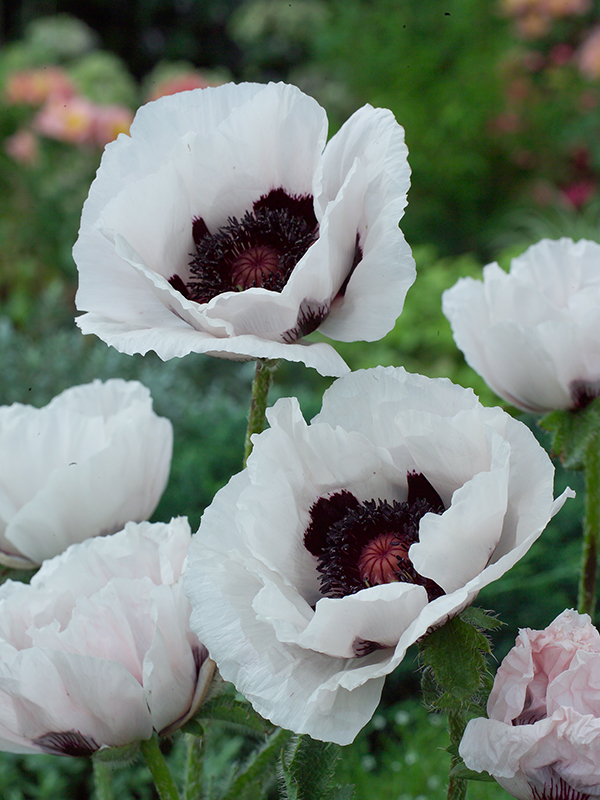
(225, 226)
(345, 540)
(542, 738)
(94, 458)
(97, 651)
(534, 334)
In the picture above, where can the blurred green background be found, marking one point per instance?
(500, 100)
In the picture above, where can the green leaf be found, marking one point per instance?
(307, 770)
(462, 772)
(456, 656)
(481, 619)
(238, 715)
(572, 433)
(259, 769)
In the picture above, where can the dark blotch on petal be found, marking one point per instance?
(199, 230)
(200, 654)
(179, 285)
(583, 393)
(67, 743)
(364, 647)
(358, 256)
(297, 205)
(557, 789)
(310, 316)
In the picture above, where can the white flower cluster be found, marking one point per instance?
(226, 225)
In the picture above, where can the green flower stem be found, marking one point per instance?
(457, 787)
(591, 529)
(102, 781)
(155, 761)
(263, 378)
(193, 767)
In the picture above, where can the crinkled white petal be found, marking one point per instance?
(94, 458)
(97, 648)
(535, 331)
(295, 654)
(213, 153)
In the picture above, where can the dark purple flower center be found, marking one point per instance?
(361, 544)
(259, 250)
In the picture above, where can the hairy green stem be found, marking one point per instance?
(102, 781)
(193, 767)
(155, 761)
(591, 530)
(263, 378)
(457, 787)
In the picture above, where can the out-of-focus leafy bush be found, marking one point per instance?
(435, 65)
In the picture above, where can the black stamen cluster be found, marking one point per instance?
(341, 526)
(286, 225)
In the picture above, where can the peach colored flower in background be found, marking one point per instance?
(70, 120)
(182, 83)
(97, 650)
(23, 146)
(542, 738)
(588, 56)
(36, 86)
(109, 122)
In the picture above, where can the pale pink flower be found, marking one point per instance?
(588, 56)
(183, 81)
(345, 540)
(69, 120)
(109, 122)
(534, 334)
(224, 225)
(94, 458)
(97, 650)
(36, 86)
(542, 738)
(23, 146)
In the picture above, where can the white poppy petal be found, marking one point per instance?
(343, 542)
(93, 459)
(214, 228)
(533, 334)
(97, 651)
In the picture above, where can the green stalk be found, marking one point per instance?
(102, 781)
(591, 529)
(193, 767)
(155, 761)
(263, 378)
(457, 787)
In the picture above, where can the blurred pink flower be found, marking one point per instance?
(578, 193)
(23, 146)
(542, 738)
(97, 650)
(36, 86)
(588, 56)
(94, 458)
(184, 82)
(67, 120)
(109, 122)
